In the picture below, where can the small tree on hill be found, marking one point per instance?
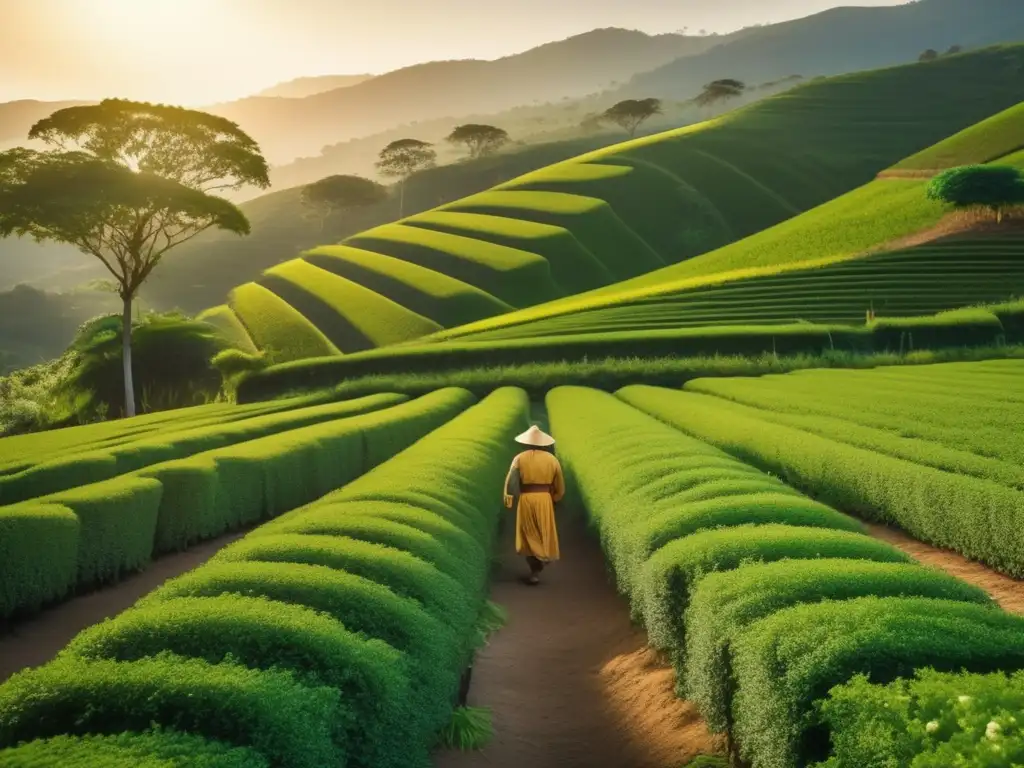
(994, 187)
(126, 182)
(632, 113)
(954, 50)
(333, 194)
(930, 55)
(401, 159)
(480, 140)
(720, 91)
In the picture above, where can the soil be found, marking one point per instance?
(38, 639)
(1005, 590)
(570, 681)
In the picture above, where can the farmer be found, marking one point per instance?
(536, 479)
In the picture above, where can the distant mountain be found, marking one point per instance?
(301, 87)
(839, 41)
(587, 63)
(17, 117)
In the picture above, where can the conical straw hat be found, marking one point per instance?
(534, 436)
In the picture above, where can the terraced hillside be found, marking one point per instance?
(619, 213)
(831, 264)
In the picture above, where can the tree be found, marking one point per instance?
(401, 159)
(631, 113)
(995, 187)
(930, 55)
(720, 90)
(954, 50)
(126, 182)
(480, 140)
(332, 194)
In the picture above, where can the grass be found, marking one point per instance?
(470, 729)
(224, 319)
(984, 142)
(680, 198)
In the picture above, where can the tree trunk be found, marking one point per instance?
(126, 356)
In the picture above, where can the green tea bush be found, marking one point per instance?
(977, 518)
(160, 749)
(723, 604)
(292, 725)
(934, 720)
(117, 521)
(265, 634)
(784, 663)
(671, 574)
(38, 555)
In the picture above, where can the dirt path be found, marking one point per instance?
(38, 639)
(1006, 591)
(570, 682)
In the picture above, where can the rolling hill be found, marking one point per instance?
(623, 212)
(301, 87)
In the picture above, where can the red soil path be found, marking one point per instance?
(569, 680)
(38, 639)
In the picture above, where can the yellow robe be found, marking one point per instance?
(536, 532)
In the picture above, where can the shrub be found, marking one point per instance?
(933, 721)
(293, 726)
(117, 522)
(159, 749)
(673, 571)
(265, 634)
(995, 187)
(38, 556)
(723, 604)
(784, 663)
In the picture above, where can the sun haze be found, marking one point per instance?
(198, 52)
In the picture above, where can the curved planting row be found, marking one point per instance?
(93, 534)
(763, 599)
(906, 471)
(335, 635)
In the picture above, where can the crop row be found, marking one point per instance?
(763, 599)
(964, 328)
(978, 518)
(335, 635)
(93, 534)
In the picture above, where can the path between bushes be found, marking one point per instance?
(570, 681)
(38, 639)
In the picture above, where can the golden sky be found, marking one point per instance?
(197, 52)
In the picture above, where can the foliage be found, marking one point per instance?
(480, 140)
(470, 729)
(720, 90)
(931, 721)
(333, 194)
(154, 749)
(995, 187)
(278, 329)
(631, 113)
(126, 182)
(404, 157)
(929, 55)
(39, 552)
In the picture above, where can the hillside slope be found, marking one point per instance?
(838, 41)
(882, 247)
(624, 211)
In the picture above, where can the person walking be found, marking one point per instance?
(535, 479)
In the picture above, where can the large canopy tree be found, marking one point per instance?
(720, 90)
(401, 159)
(332, 194)
(126, 182)
(632, 113)
(480, 140)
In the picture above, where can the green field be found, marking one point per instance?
(662, 210)
(990, 140)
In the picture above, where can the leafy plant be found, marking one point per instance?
(470, 728)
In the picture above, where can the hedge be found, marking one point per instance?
(934, 720)
(292, 725)
(722, 604)
(785, 662)
(264, 634)
(977, 518)
(160, 749)
(394, 629)
(39, 553)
